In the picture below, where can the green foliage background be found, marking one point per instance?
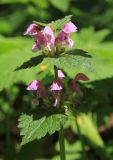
(94, 20)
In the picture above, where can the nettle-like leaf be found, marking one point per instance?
(36, 129)
(58, 24)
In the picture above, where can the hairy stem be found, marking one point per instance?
(62, 145)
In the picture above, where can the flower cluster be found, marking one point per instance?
(58, 92)
(46, 41)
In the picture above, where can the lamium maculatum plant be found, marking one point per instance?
(55, 101)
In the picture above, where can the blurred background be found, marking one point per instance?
(94, 19)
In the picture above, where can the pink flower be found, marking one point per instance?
(32, 29)
(60, 74)
(56, 86)
(64, 35)
(34, 85)
(44, 39)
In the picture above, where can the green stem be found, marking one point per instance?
(62, 145)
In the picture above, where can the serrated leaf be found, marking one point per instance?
(36, 129)
(72, 61)
(58, 24)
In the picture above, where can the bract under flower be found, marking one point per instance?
(81, 76)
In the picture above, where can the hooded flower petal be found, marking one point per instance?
(45, 39)
(34, 85)
(40, 39)
(62, 36)
(49, 35)
(56, 86)
(60, 74)
(69, 27)
(32, 29)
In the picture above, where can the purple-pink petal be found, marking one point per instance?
(69, 27)
(62, 36)
(49, 35)
(31, 30)
(40, 39)
(34, 85)
(60, 74)
(56, 86)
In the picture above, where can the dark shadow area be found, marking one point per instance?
(31, 62)
(79, 52)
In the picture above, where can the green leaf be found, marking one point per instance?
(86, 126)
(36, 129)
(72, 61)
(58, 24)
(40, 23)
(101, 52)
